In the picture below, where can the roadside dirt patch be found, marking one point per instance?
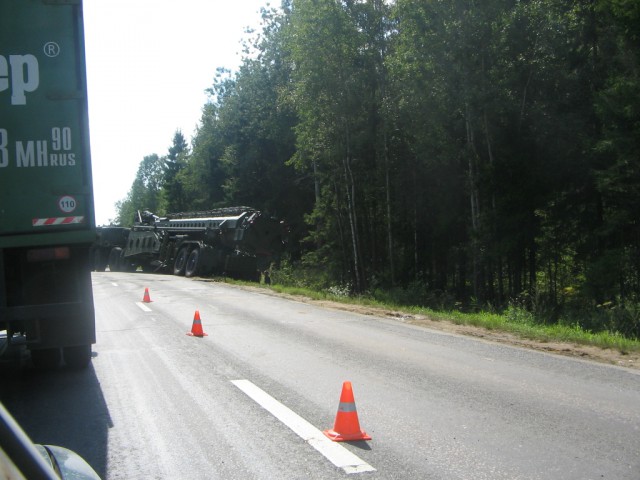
(609, 356)
(613, 357)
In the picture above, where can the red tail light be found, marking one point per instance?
(48, 254)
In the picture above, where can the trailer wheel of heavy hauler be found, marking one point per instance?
(181, 261)
(100, 260)
(114, 259)
(193, 263)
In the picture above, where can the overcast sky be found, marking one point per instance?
(148, 65)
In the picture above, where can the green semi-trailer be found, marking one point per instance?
(46, 202)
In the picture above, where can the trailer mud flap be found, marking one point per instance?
(59, 325)
(48, 295)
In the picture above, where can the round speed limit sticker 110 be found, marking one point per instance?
(67, 204)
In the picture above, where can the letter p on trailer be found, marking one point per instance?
(47, 222)
(24, 76)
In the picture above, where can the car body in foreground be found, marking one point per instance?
(20, 458)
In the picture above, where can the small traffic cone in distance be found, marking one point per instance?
(346, 427)
(146, 298)
(196, 328)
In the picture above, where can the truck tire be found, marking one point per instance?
(193, 261)
(114, 259)
(126, 265)
(46, 358)
(77, 357)
(181, 262)
(99, 260)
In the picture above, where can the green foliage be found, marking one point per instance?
(173, 196)
(145, 192)
(519, 315)
(453, 155)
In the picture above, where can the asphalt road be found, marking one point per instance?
(248, 401)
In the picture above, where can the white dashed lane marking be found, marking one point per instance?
(143, 307)
(334, 452)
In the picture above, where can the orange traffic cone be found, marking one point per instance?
(146, 298)
(196, 328)
(346, 427)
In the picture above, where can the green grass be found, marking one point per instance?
(538, 332)
(516, 322)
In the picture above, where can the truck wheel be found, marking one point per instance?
(46, 358)
(77, 357)
(191, 269)
(181, 262)
(114, 259)
(126, 265)
(99, 261)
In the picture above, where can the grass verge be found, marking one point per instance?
(525, 328)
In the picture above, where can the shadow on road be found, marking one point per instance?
(63, 407)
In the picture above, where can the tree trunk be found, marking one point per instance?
(351, 209)
(388, 199)
(475, 201)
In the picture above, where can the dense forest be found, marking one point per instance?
(460, 153)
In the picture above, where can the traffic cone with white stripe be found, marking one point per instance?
(346, 427)
(196, 328)
(146, 298)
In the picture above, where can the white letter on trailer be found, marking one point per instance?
(41, 153)
(4, 74)
(20, 84)
(4, 153)
(25, 157)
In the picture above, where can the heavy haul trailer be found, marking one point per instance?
(46, 203)
(239, 242)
